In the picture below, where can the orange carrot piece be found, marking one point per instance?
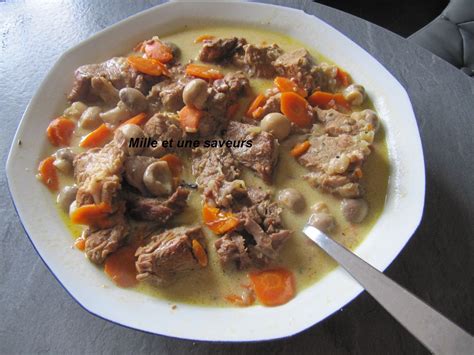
(300, 149)
(343, 77)
(138, 120)
(59, 131)
(203, 72)
(47, 173)
(273, 287)
(92, 215)
(217, 221)
(156, 49)
(80, 244)
(174, 163)
(97, 138)
(189, 118)
(259, 101)
(324, 99)
(199, 253)
(296, 109)
(148, 66)
(202, 38)
(232, 110)
(286, 85)
(120, 267)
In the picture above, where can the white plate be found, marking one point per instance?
(96, 293)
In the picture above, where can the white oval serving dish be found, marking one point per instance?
(96, 293)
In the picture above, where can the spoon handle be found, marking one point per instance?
(432, 329)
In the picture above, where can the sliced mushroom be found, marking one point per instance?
(133, 100)
(135, 169)
(354, 210)
(195, 93)
(75, 110)
(105, 90)
(129, 136)
(277, 124)
(90, 118)
(158, 179)
(355, 94)
(66, 197)
(64, 160)
(292, 199)
(116, 115)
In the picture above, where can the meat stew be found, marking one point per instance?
(207, 224)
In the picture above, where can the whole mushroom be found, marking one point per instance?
(158, 179)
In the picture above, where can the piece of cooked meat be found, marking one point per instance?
(336, 123)
(262, 209)
(116, 70)
(208, 163)
(102, 242)
(219, 49)
(300, 66)
(260, 235)
(158, 210)
(167, 255)
(335, 162)
(294, 64)
(215, 171)
(223, 93)
(162, 127)
(97, 173)
(231, 249)
(258, 60)
(263, 154)
(250, 245)
(167, 95)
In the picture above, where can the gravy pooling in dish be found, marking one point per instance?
(175, 218)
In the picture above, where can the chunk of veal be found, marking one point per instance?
(168, 255)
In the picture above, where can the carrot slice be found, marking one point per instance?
(232, 110)
(92, 215)
(217, 221)
(343, 77)
(202, 38)
(300, 149)
(97, 138)
(156, 49)
(174, 163)
(120, 267)
(259, 101)
(273, 287)
(47, 173)
(327, 99)
(189, 118)
(286, 85)
(296, 108)
(80, 244)
(203, 72)
(148, 66)
(60, 131)
(138, 120)
(199, 253)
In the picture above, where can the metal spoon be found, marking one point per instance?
(432, 329)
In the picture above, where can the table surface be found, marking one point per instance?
(37, 315)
